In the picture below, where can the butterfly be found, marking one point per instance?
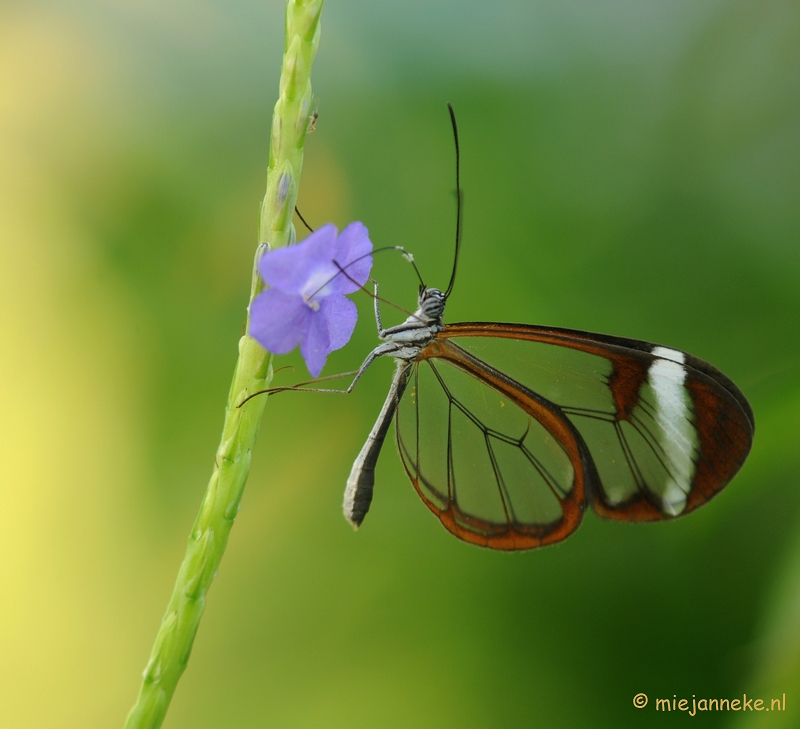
(508, 432)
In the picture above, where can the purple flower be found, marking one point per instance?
(305, 303)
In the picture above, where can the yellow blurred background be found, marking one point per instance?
(628, 168)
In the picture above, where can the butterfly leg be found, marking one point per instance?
(387, 349)
(381, 330)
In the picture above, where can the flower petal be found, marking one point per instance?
(306, 304)
(290, 268)
(340, 316)
(350, 252)
(279, 321)
(315, 345)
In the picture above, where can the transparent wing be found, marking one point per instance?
(666, 431)
(498, 464)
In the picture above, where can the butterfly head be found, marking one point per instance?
(430, 304)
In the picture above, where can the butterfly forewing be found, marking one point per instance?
(652, 451)
(666, 431)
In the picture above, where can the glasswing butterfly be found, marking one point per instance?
(509, 431)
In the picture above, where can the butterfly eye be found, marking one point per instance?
(432, 303)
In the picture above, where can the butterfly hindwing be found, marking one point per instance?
(498, 464)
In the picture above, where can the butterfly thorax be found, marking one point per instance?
(420, 328)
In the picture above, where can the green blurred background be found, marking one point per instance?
(629, 167)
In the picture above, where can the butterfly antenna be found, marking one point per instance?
(410, 258)
(302, 219)
(458, 200)
(343, 272)
(366, 290)
(343, 269)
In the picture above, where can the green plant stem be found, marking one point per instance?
(253, 372)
